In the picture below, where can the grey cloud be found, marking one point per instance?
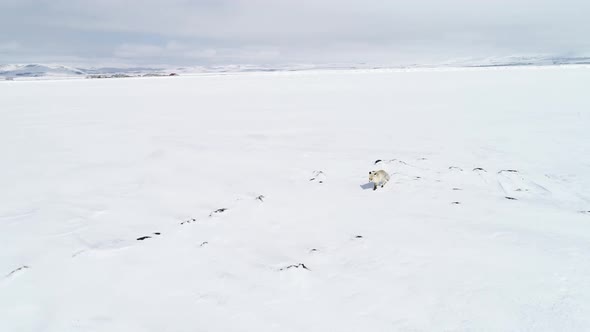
(304, 30)
(11, 46)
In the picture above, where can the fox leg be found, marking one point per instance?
(374, 186)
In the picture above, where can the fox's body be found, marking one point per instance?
(378, 178)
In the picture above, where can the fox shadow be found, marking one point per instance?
(367, 186)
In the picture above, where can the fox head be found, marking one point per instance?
(372, 175)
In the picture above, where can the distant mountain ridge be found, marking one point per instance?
(47, 70)
(11, 71)
(520, 61)
(38, 70)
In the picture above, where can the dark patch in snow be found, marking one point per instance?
(456, 203)
(508, 170)
(455, 167)
(358, 237)
(260, 198)
(217, 211)
(479, 169)
(296, 266)
(24, 267)
(188, 221)
(147, 236)
(511, 198)
(316, 176)
(417, 177)
(203, 244)
(313, 250)
(377, 161)
(78, 252)
(585, 212)
(457, 189)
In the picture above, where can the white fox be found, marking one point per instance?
(379, 177)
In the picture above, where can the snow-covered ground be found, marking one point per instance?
(252, 190)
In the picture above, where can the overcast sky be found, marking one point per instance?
(185, 32)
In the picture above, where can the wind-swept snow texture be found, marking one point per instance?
(241, 202)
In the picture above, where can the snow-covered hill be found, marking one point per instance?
(240, 202)
(39, 70)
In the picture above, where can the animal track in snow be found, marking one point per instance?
(397, 161)
(514, 185)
